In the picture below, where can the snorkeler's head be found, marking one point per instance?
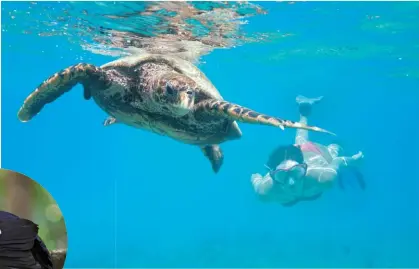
(334, 150)
(287, 164)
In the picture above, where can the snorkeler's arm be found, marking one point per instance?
(353, 160)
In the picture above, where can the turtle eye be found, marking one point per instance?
(169, 89)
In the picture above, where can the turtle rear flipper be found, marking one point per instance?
(215, 155)
(58, 84)
(235, 112)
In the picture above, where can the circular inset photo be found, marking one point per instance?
(32, 228)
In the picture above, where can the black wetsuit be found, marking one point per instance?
(20, 245)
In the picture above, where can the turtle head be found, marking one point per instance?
(177, 93)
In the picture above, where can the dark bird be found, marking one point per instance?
(20, 245)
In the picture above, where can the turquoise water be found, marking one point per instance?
(135, 199)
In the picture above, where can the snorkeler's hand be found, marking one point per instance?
(261, 185)
(357, 160)
(358, 156)
(256, 178)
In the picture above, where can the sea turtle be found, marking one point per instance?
(163, 94)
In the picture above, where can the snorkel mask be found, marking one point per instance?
(288, 172)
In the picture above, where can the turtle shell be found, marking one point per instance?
(180, 65)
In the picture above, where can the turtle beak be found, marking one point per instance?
(187, 99)
(185, 102)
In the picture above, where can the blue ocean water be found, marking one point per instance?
(135, 199)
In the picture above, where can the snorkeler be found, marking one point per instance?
(20, 245)
(304, 170)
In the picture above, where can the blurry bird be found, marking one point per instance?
(20, 245)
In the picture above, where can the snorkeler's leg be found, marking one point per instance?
(304, 105)
(301, 136)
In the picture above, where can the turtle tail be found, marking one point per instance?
(246, 115)
(58, 84)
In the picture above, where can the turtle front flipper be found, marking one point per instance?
(215, 156)
(58, 84)
(246, 115)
